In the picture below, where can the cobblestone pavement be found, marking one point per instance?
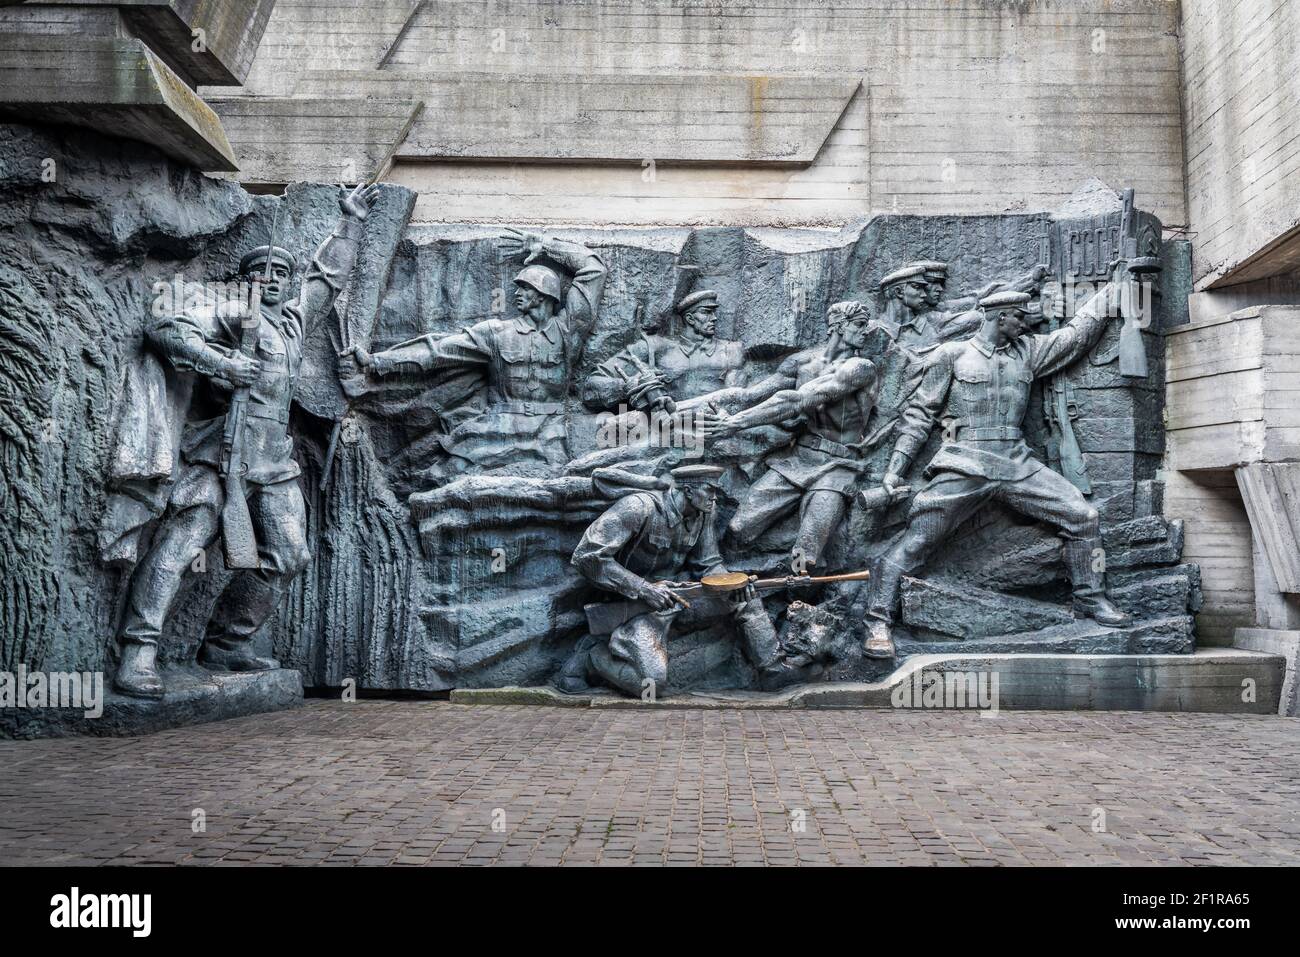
(404, 782)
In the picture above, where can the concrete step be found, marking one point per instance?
(1219, 680)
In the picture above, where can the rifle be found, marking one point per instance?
(1132, 353)
(1060, 411)
(236, 523)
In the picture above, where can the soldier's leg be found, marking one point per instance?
(280, 523)
(186, 532)
(637, 651)
(821, 512)
(770, 499)
(1050, 497)
(947, 501)
(757, 632)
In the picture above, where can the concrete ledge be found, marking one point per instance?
(194, 696)
(117, 87)
(1276, 641)
(1218, 680)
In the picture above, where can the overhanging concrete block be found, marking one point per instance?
(115, 86)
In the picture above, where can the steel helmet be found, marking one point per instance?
(542, 278)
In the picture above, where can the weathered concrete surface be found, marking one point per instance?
(115, 86)
(1241, 97)
(1231, 383)
(1221, 680)
(970, 106)
(194, 696)
(1286, 644)
(205, 41)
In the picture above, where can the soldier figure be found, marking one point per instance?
(658, 367)
(638, 548)
(527, 360)
(207, 342)
(982, 385)
(834, 390)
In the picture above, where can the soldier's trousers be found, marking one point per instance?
(638, 648)
(772, 498)
(189, 528)
(950, 498)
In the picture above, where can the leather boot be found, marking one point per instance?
(880, 639)
(1090, 599)
(137, 675)
(572, 678)
(231, 656)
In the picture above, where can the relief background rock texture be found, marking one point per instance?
(403, 592)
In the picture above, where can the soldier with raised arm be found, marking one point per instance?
(982, 387)
(526, 361)
(209, 342)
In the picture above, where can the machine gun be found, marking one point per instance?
(1132, 353)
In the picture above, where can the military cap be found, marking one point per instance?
(704, 296)
(710, 474)
(256, 259)
(933, 268)
(910, 271)
(1005, 299)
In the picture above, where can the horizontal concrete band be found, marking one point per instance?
(1221, 680)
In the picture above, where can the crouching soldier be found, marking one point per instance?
(638, 548)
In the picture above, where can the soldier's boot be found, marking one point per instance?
(137, 675)
(880, 610)
(615, 672)
(228, 645)
(572, 678)
(880, 639)
(1089, 583)
(763, 647)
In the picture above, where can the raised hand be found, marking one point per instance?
(514, 243)
(360, 201)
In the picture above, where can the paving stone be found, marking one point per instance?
(418, 783)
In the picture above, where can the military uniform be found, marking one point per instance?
(200, 341)
(644, 537)
(690, 368)
(527, 368)
(818, 473)
(986, 390)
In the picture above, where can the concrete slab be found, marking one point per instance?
(1216, 680)
(194, 696)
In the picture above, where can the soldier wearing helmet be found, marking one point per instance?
(525, 361)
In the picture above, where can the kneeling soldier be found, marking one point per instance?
(637, 548)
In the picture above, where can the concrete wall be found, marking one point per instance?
(968, 106)
(1241, 101)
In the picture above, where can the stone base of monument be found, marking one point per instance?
(1218, 680)
(194, 696)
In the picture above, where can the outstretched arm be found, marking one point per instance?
(1052, 351)
(847, 377)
